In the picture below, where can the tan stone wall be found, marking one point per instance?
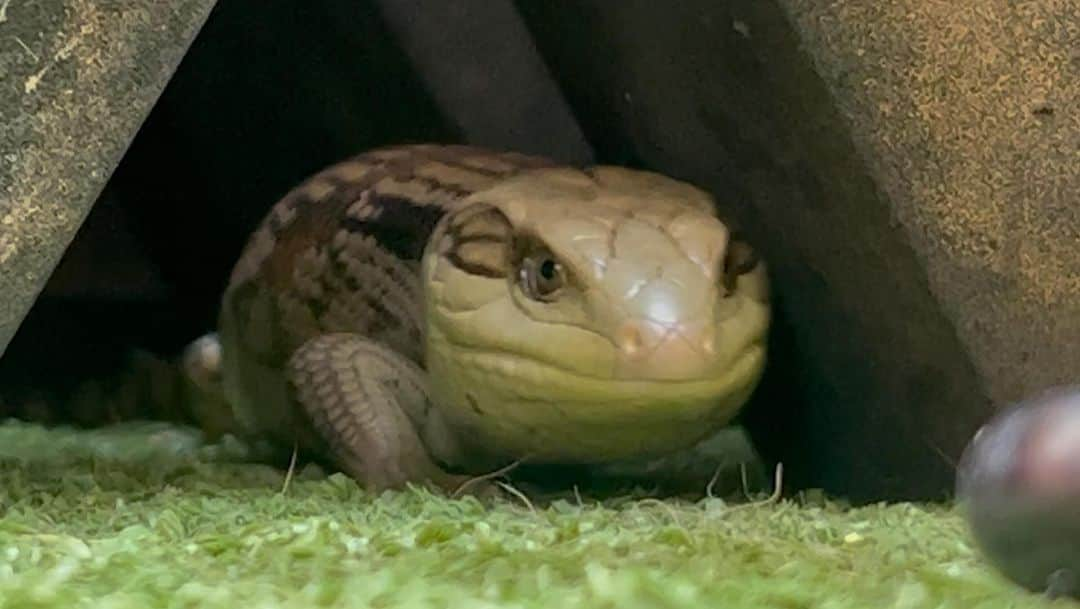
(968, 116)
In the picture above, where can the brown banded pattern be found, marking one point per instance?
(340, 252)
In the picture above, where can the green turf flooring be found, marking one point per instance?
(146, 516)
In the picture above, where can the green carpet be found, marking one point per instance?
(146, 516)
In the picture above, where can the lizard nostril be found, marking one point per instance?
(708, 345)
(739, 259)
(629, 338)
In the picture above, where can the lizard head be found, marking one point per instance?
(590, 315)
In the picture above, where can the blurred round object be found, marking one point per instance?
(1018, 483)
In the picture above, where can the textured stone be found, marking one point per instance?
(909, 170)
(480, 64)
(967, 117)
(79, 77)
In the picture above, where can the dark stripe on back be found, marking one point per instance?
(398, 225)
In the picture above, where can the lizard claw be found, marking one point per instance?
(201, 363)
(1061, 584)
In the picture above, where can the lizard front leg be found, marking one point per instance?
(370, 406)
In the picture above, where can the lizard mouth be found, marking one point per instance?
(510, 403)
(542, 381)
(520, 369)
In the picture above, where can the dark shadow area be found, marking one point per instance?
(268, 93)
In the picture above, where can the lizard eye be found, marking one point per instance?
(541, 276)
(739, 259)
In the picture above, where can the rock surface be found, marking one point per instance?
(79, 77)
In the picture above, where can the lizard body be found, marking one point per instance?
(418, 310)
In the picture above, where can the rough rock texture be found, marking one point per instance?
(77, 79)
(969, 121)
(909, 170)
(480, 64)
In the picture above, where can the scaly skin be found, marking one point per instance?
(421, 310)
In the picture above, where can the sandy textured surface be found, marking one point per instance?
(78, 78)
(968, 116)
